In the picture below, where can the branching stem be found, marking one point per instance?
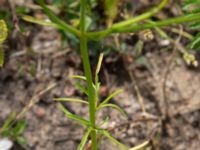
(88, 74)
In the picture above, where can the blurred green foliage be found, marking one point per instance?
(14, 129)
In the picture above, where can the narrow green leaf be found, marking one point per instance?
(41, 22)
(96, 85)
(115, 107)
(162, 33)
(195, 44)
(81, 88)
(74, 117)
(19, 128)
(79, 77)
(71, 100)
(99, 63)
(56, 20)
(187, 2)
(104, 121)
(111, 96)
(84, 139)
(192, 6)
(141, 146)
(195, 25)
(107, 134)
(8, 122)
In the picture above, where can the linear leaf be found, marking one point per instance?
(141, 146)
(8, 121)
(111, 96)
(40, 21)
(107, 134)
(84, 139)
(189, 4)
(104, 121)
(79, 77)
(71, 100)
(195, 44)
(115, 107)
(99, 63)
(195, 25)
(81, 88)
(74, 117)
(57, 20)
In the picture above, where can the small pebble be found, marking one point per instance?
(40, 113)
(5, 144)
(130, 132)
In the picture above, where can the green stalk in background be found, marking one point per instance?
(88, 74)
(141, 17)
(138, 27)
(129, 22)
(171, 21)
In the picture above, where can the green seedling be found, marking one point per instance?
(82, 31)
(13, 130)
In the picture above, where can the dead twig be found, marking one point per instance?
(33, 101)
(167, 72)
(136, 88)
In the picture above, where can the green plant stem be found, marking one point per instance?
(88, 74)
(141, 17)
(124, 24)
(58, 21)
(173, 21)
